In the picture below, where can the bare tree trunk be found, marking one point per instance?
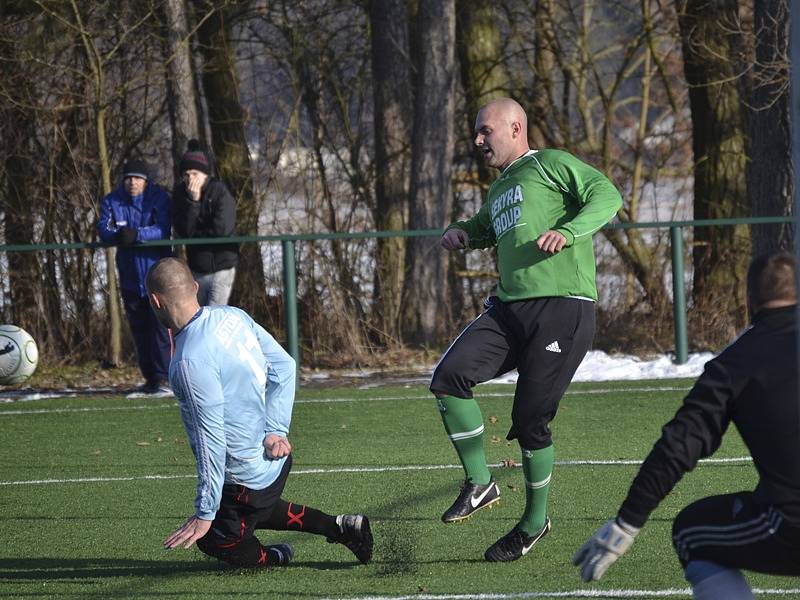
(484, 77)
(95, 62)
(431, 170)
(23, 270)
(770, 174)
(227, 120)
(483, 72)
(181, 98)
(710, 49)
(393, 112)
(545, 65)
(17, 133)
(113, 357)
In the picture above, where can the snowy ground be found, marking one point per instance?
(597, 366)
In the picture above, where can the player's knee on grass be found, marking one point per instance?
(207, 545)
(245, 553)
(248, 553)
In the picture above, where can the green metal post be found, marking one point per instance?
(290, 300)
(678, 296)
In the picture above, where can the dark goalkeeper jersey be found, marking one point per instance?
(752, 383)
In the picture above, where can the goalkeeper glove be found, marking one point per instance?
(127, 236)
(607, 544)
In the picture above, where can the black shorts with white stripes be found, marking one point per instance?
(545, 339)
(736, 531)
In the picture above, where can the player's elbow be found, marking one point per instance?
(288, 368)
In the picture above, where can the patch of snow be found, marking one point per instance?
(599, 366)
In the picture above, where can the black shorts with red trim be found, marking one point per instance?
(736, 531)
(241, 511)
(545, 339)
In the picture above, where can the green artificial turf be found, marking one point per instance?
(90, 487)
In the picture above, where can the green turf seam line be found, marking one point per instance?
(34, 396)
(479, 395)
(47, 411)
(510, 393)
(384, 469)
(587, 593)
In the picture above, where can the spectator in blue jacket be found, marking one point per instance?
(139, 211)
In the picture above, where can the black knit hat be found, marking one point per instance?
(195, 159)
(135, 167)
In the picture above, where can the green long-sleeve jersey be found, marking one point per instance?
(540, 191)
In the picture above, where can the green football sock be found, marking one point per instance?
(537, 466)
(464, 424)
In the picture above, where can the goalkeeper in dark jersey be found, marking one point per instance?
(540, 214)
(752, 384)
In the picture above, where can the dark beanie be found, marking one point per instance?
(195, 159)
(135, 167)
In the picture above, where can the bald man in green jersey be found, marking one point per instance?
(540, 214)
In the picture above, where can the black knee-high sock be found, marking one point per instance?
(288, 516)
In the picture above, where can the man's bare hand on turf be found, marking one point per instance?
(277, 446)
(188, 534)
(455, 239)
(551, 242)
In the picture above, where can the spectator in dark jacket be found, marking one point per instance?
(204, 208)
(138, 211)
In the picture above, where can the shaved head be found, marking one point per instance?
(501, 132)
(508, 110)
(171, 279)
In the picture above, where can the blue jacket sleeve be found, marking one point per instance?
(106, 226)
(281, 372)
(202, 403)
(163, 225)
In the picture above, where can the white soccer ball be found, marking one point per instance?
(18, 355)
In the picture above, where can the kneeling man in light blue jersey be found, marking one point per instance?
(235, 386)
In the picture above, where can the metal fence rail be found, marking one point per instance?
(288, 242)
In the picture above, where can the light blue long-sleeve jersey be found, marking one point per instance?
(235, 385)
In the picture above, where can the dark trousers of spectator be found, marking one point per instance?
(153, 346)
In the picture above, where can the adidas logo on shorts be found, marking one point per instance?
(553, 347)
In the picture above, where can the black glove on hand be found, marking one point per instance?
(127, 236)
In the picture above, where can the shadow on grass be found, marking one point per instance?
(33, 569)
(54, 569)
